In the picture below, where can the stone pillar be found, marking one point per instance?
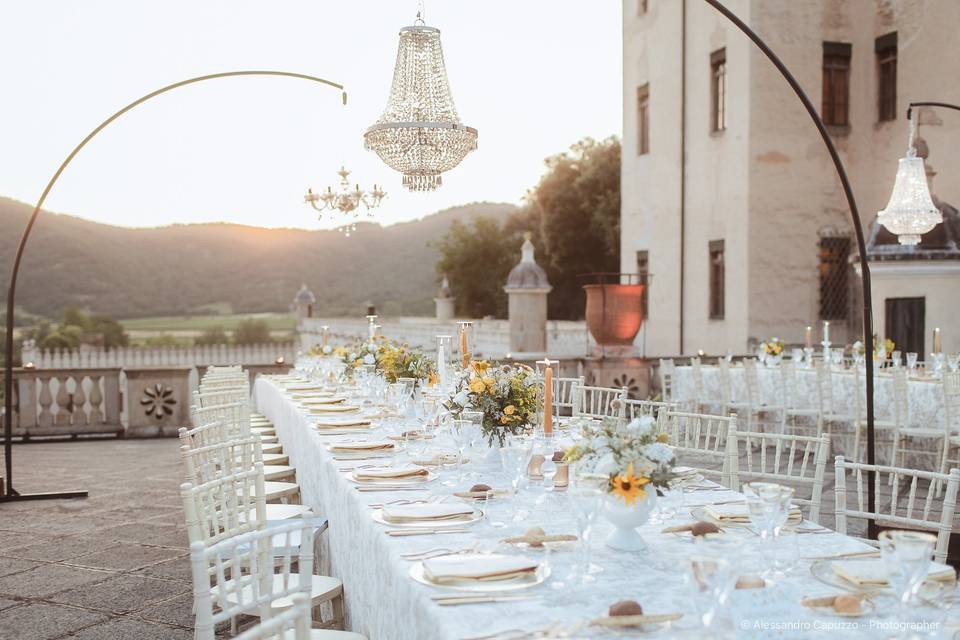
(527, 289)
(444, 301)
(157, 401)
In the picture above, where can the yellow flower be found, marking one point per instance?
(476, 385)
(489, 381)
(433, 379)
(504, 419)
(663, 438)
(629, 487)
(480, 366)
(509, 409)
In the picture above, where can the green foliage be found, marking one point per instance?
(213, 335)
(477, 259)
(113, 333)
(252, 331)
(163, 340)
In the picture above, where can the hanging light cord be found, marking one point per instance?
(421, 13)
(911, 149)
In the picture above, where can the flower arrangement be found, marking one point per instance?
(880, 349)
(398, 360)
(631, 456)
(507, 395)
(359, 353)
(773, 347)
(322, 350)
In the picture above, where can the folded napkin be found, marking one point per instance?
(339, 423)
(305, 387)
(333, 408)
(438, 460)
(390, 473)
(872, 573)
(376, 445)
(457, 568)
(319, 400)
(739, 512)
(430, 512)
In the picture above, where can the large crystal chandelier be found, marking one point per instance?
(419, 133)
(345, 201)
(910, 213)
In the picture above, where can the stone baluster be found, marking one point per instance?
(62, 417)
(79, 402)
(45, 398)
(96, 399)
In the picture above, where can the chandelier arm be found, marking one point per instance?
(10, 493)
(857, 227)
(945, 105)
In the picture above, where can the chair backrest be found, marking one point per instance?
(250, 573)
(220, 395)
(234, 415)
(797, 461)
(699, 438)
(667, 372)
(599, 402)
(788, 385)
(225, 507)
(209, 462)
(726, 383)
(752, 379)
(652, 408)
(900, 512)
(824, 387)
(563, 394)
(901, 397)
(951, 400)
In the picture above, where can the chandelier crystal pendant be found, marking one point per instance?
(420, 133)
(345, 201)
(910, 213)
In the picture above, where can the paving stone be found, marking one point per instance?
(178, 611)
(6, 604)
(127, 557)
(41, 621)
(176, 569)
(57, 549)
(152, 533)
(48, 579)
(127, 628)
(122, 593)
(15, 565)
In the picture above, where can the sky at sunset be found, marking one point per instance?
(532, 75)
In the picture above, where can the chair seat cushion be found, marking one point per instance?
(275, 458)
(323, 588)
(280, 489)
(277, 471)
(286, 511)
(274, 447)
(326, 634)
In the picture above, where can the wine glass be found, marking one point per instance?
(912, 361)
(710, 577)
(953, 361)
(585, 500)
(464, 433)
(769, 507)
(515, 455)
(895, 359)
(906, 557)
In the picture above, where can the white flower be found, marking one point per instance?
(369, 359)
(328, 349)
(352, 356)
(659, 453)
(606, 465)
(641, 426)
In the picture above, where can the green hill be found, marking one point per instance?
(184, 269)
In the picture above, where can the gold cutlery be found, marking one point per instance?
(841, 556)
(397, 533)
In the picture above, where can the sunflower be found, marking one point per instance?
(663, 437)
(629, 487)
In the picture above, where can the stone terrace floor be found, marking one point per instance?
(112, 566)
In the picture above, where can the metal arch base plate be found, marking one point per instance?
(53, 495)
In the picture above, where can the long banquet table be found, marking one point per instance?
(384, 603)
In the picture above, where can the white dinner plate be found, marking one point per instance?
(429, 524)
(823, 571)
(414, 481)
(493, 586)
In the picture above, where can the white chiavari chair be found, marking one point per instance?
(234, 505)
(756, 405)
(796, 461)
(728, 403)
(598, 402)
(700, 441)
(651, 408)
(699, 398)
(563, 394)
(858, 417)
(203, 401)
(667, 373)
(283, 605)
(903, 432)
(950, 388)
(792, 411)
(219, 433)
(897, 514)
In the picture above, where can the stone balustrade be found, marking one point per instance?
(132, 357)
(67, 402)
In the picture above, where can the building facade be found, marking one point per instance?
(729, 199)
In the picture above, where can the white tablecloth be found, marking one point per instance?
(384, 603)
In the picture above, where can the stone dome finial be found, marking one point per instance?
(304, 296)
(527, 274)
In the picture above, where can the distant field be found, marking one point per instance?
(280, 324)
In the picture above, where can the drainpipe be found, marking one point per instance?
(683, 157)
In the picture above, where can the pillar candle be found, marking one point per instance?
(826, 331)
(548, 400)
(808, 337)
(936, 341)
(464, 351)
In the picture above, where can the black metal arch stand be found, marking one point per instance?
(945, 105)
(9, 493)
(857, 227)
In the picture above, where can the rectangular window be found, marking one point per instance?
(836, 83)
(834, 272)
(886, 50)
(718, 90)
(643, 275)
(643, 120)
(716, 279)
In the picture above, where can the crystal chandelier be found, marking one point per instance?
(910, 213)
(346, 201)
(419, 133)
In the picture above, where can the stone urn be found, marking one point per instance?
(614, 312)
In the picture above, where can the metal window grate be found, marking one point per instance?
(834, 276)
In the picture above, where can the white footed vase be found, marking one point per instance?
(626, 518)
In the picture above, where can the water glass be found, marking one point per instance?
(464, 433)
(911, 361)
(796, 355)
(515, 455)
(953, 361)
(937, 359)
(769, 507)
(585, 502)
(906, 556)
(710, 578)
(837, 357)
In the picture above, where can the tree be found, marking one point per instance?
(213, 335)
(477, 260)
(113, 333)
(578, 205)
(252, 331)
(162, 340)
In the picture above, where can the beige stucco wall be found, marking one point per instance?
(766, 185)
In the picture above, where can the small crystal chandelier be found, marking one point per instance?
(910, 213)
(419, 133)
(346, 201)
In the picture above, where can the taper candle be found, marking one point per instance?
(548, 399)
(464, 348)
(937, 347)
(826, 331)
(808, 337)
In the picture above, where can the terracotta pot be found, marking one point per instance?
(614, 314)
